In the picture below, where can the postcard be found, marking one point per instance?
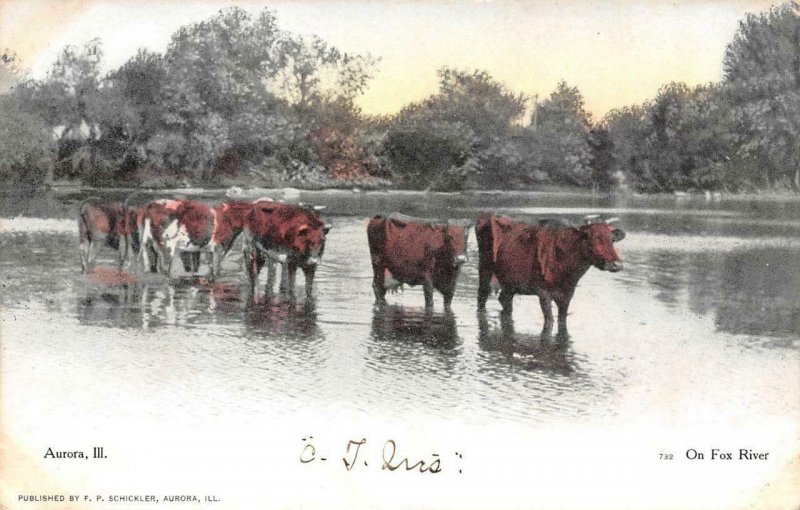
(371, 254)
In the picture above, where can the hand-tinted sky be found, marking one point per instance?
(617, 52)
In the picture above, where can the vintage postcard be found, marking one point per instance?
(367, 254)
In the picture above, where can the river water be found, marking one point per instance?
(699, 333)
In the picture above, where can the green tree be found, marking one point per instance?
(27, 147)
(560, 137)
(449, 139)
(762, 75)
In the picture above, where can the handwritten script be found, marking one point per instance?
(356, 454)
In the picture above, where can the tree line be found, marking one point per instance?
(236, 100)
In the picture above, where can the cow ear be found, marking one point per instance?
(303, 230)
(326, 228)
(397, 223)
(504, 227)
(617, 235)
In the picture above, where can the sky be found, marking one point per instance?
(617, 52)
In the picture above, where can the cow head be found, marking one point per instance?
(600, 237)
(308, 239)
(456, 238)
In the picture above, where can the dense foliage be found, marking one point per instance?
(235, 99)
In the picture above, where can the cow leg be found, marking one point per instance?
(308, 272)
(291, 272)
(448, 294)
(91, 254)
(484, 286)
(122, 252)
(284, 287)
(271, 269)
(378, 282)
(546, 302)
(427, 288)
(195, 262)
(84, 254)
(563, 307)
(154, 264)
(506, 299)
(187, 260)
(130, 255)
(254, 261)
(146, 257)
(215, 263)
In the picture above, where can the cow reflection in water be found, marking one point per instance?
(280, 317)
(531, 352)
(118, 307)
(122, 300)
(400, 324)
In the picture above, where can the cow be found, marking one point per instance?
(229, 220)
(106, 224)
(289, 234)
(415, 251)
(152, 220)
(546, 259)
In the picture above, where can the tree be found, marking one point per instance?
(447, 139)
(27, 148)
(560, 137)
(627, 130)
(216, 85)
(68, 101)
(762, 76)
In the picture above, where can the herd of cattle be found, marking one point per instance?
(545, 258)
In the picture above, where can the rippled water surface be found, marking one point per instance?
(710, 292)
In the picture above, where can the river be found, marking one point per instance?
(699, 335)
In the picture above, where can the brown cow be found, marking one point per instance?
(229, 220)
(546, 259)
(290, 234)
(416, 251)
(106, 224)
(152, 220)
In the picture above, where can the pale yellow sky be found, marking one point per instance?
(616, 52)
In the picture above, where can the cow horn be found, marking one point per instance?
(590, 218)
(612, 220)
(320, 207)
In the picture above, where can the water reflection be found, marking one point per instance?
(278, 317)
(754, 291)
(531, 352)
(396, 323)
(115, 307)
(111, 298)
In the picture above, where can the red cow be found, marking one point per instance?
(546, 259)
(414, 251)
(293, 235)
(110, 224)
(152, 220)
(229, 222)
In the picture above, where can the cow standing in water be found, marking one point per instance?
(292, 235)
(153, 219)
(106, 224)
(414, 251)
(546, 259)
(229, 222)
